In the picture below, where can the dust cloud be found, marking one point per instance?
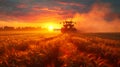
(99, 19)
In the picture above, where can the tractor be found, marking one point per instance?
(68, 27)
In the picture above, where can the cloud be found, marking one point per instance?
(20, 9)
(12, 9)
(72, 4)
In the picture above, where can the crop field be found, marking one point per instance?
(54, 49)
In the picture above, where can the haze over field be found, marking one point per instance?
(89, 15)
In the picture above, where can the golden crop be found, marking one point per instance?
(58, 50)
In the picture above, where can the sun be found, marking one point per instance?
(50, 28)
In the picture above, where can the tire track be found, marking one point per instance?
(51, 38)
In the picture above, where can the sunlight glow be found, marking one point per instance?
(50, 28)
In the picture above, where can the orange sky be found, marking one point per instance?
(98, 18)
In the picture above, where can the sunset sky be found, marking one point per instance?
(89, 15)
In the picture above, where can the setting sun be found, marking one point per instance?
(51, 28)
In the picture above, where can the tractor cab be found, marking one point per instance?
(68, 26)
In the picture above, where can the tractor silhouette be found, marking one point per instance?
(68, 26)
